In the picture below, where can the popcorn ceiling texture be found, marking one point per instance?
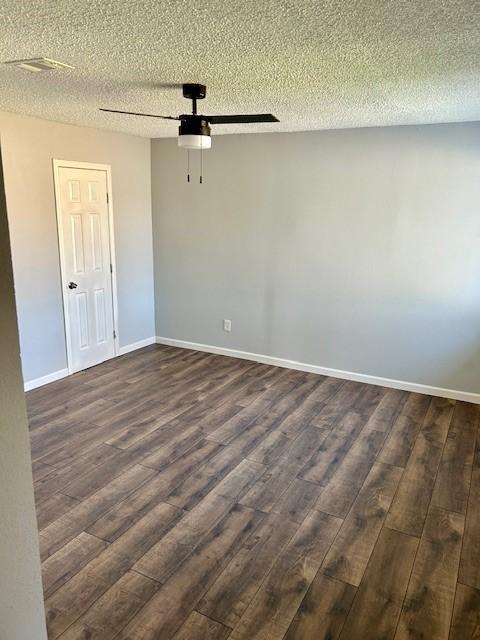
(314, 64)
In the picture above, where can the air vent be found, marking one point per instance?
(39, 64)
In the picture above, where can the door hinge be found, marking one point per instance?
(111, 268)
(108, 199)
(114, 334)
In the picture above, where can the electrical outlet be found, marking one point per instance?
(227, 325)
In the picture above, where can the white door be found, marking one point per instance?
(84, 237)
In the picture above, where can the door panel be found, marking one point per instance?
(96, 239)
(87, 279)
(74, 191)
(77, 244)
(100, 315)
(80, 318)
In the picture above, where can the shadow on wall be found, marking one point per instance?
(466, 369)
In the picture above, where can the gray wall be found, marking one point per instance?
(29, 145)
(353, 249)
(21, 598)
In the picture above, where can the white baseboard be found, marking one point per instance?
(51, 377)
(467, 396)
(57, 375)
(136, 345)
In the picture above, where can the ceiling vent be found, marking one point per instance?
(39, 64)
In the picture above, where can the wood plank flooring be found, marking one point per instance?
(192, 496)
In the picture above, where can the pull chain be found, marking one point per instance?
(188, 165)
(201, 165)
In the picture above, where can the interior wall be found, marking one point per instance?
(29, 146)
(22, 615)
(354, 249)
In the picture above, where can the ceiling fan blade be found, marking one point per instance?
(146, 115)
(253, 117)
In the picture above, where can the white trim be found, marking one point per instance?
(51, 377)
(108, 170)
(137, 345)
(63, 373)
(467, 396)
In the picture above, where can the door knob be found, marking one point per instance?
(72, 285)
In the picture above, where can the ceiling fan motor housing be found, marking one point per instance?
(194, 133)
(194, 91)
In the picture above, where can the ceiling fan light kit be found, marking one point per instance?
(195, 141)
(194, 131)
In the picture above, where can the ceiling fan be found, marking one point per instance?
(194, 130)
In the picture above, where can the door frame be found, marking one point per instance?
(71, 164)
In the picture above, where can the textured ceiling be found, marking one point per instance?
(315, 64)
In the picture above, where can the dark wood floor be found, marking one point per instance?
(197, 497)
